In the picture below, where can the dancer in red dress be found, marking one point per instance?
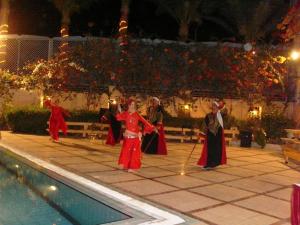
(130, 156)
(155, 142)
(56, 120)
(214, 149)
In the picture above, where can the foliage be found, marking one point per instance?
(83, 116)
(165, 70)
(51, 76)
(183, 122)
(290, 26)
(254, 20)
(274, 124)
(28, 120)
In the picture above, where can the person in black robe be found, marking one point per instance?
(214, 149)
(154, 143)
(114, 133)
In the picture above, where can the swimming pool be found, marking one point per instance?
(30, 197)
(74, 199)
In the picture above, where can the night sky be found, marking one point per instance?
(40, 17)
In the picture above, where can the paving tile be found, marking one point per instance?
(70, 160)
(239, 171)
(145, 187)
(222, 192)
(268, 205)
(102, 158)
(182, 181)
(233, 162)
(284, 194)
(289, 173)
(114, 176)
(251, 159)
(152, 172)
(157, 162)
(277, 179)
(254, 185)
(90, 167)
(262, 168)
(179, 168)
(214, 176)
(277, 164)
(223, 215)
(183, 201)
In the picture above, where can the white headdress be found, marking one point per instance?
(219, 116)
(156, 99)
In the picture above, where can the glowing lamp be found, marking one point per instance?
(187, 107)
(295, 55)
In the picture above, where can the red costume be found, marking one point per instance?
(295, 205)
(56, 120)
(130, 156)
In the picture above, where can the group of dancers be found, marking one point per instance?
(150, 139)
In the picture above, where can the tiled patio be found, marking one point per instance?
(252, 189)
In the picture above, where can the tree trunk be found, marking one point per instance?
(123, 24)
(183, 31)
(4, 13)
(64, 32)
(184, 22)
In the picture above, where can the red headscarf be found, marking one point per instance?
(47, 103)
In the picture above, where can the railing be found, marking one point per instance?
(171, 133)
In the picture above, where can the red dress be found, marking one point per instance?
(295, 205)
(57, 122)
(130, 156)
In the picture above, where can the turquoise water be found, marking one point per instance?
(29, 197)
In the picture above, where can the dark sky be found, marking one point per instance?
(40, 17)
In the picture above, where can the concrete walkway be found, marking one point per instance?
(254, 188)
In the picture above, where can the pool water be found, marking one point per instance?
(30, 197)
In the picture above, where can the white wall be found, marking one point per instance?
(200, 108)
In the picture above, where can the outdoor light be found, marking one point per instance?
(17, 166)
(187, 107)
(52, 188)
(113, 101)
(255, 112)
(295, 55)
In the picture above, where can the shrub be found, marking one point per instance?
(184, 122)
(31, 120)
(274, 125)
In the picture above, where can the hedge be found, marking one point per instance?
(33, 120)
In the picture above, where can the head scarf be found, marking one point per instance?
(156, 99)
(219, 116)
(129, 101)
(47, 103)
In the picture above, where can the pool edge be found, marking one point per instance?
(155, 214)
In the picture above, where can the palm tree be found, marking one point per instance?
(123, 24)
(183, 11)
(186, 12)
(67, 8)
(254, 19)
(4, 13)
